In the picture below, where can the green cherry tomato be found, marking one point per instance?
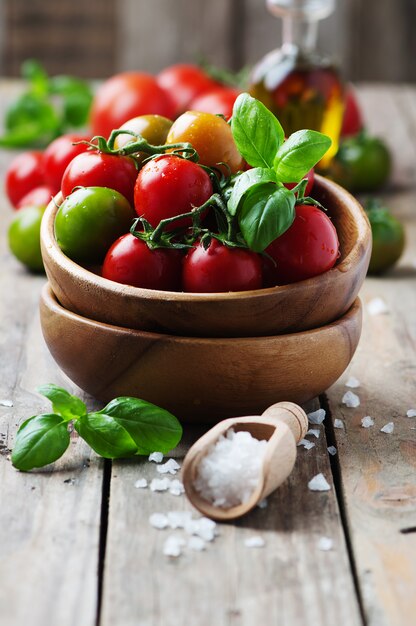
(388, 239)
(24, 237)
(362, 163)
(89, 221)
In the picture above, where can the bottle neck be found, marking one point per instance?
(299, 35)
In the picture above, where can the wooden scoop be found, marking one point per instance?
(283, 425)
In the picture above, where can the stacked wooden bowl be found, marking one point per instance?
(208, 356)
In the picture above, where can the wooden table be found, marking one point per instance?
(76, 547)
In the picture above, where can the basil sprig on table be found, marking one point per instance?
(265, 209)
(125, 427)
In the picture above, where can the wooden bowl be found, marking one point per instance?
(198, 379)
(300, 306)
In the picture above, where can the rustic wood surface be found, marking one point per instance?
(76, 546)
(99, 37)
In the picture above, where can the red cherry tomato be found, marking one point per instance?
(220, 101)
(39, 196)
(24, 173)
(220, 268)
(184, 82)
(311, 178)
(96, 169)
(168, 186)
(128, 95)
(57, 157)
(353, 121)
(308, 248)
(131, 262)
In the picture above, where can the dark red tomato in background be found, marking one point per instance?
(353, 121)
(168, 186)
(184, 82)
(96, 169)
(57, 157)
(24, 173)
(131, 262)
(220, 269)
(219, 101)
(311, 178)
(125, 96)
(39, 196)
(308, 248)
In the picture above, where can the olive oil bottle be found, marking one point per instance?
(303, 89)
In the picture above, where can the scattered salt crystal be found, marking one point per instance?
(196, 543)
(202, 527)
(411, 413)
(325, 544)
(156, 457)
(141, 483)
(387, 428)
(306, 444)
(158, 520)
(352, 382)
(367, 421)
(351, 400)
(7, 403)
(160, 484)
(263, 504)
(176, 487)
(332, 450)
(317, 417)
(314, 431)
(377, 306)
(339, 424)
(173, 546)
(178, 519)
(170, 467)
(229, 473)
(319, 483)
(254, 542)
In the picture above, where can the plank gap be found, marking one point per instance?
(105, 503)
(336, 475)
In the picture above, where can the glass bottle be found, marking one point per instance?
(300, 87)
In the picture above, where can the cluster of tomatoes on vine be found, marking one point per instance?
(179, 176)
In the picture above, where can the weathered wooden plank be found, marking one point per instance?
(288, 582)
(157, 34)
(50, 519)
(378, 470)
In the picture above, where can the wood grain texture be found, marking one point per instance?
(49, 519)
(378, 470)
(307, 304)
(198, 379)
(288, 582)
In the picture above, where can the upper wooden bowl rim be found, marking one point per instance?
(81, 273)
(52, 303)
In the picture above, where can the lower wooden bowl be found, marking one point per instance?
(200, 380)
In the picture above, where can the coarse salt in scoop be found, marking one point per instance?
(241, 460)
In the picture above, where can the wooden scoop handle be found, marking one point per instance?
(292, 415)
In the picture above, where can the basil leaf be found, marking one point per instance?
(63, 403)
(151, 427)
(256, 131)
(299, 154)
(105, 435)
(265, 214)
(246, 181)
(40, 440)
